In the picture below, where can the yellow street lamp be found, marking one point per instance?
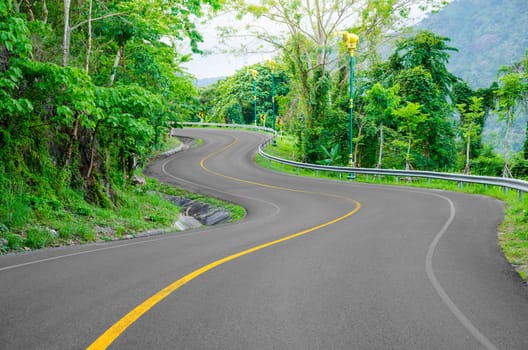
(272, 64)
(350, 40)
(254, 73)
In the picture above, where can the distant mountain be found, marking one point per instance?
(207, 81)
(487, 33)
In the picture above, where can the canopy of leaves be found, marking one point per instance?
(85, 128)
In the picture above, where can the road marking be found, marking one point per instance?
(112, 333)
(481, 338)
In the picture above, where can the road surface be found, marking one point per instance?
(315, 264)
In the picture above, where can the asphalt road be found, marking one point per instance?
(314, 265)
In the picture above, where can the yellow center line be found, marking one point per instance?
(112, 333)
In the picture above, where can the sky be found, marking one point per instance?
(217, 63)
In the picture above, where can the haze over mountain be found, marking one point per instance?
(487, 33)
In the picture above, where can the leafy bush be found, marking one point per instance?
(520, 169)
(14, 211)
(68, 231)
(490, 166)
(14, 241)
(82, 210)
(38, 238)
(85, 233)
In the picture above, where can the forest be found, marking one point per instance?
(91, 88)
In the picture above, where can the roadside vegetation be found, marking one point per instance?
(513, 232)
(41, 221)
(89, 91)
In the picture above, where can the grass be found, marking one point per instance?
(38, 221)
(140, 209)
(170, 144)
(513, 232)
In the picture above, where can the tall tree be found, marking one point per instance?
(380, 104)
(470, 125)
(431, 52)
(309, 40)
(510, 96)
(410, 118)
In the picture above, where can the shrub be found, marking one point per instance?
(82, 210)
(86, 233)
(520, 169)
(14, 211)
(68, 230)
(38, 238)
(14, 241)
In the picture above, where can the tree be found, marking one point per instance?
(470, 125)
(410, 118)
(332, 156)
(511, 93)
(429, 51)
(380, 104)
(308, 45)
(231, 99)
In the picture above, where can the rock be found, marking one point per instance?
(216, 217)
(179, 201)
(53, 233)
(104, 230)
(201, 212)
(138, 181)
(185, 222)
(196, 209)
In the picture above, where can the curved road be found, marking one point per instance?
(314, 265)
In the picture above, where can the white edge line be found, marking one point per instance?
(482, 339)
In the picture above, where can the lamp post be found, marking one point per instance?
(351, 41)
(254, 73)
(272, 64)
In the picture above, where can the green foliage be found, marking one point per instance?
(38, 238)
(333, 156)
(429, 51)
(69, 144)
(231, 100)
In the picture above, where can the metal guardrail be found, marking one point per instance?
(507, 183)
(238, 126)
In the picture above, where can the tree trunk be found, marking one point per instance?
(89, 44)
(380, 156)
(92, 151)
(116, 64)
(73, 137)
(467, 168)
(408, 155)
(29, 10)
(506, 172)
(66, 35)
(44, 11)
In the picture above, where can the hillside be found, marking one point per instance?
(487, 33)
